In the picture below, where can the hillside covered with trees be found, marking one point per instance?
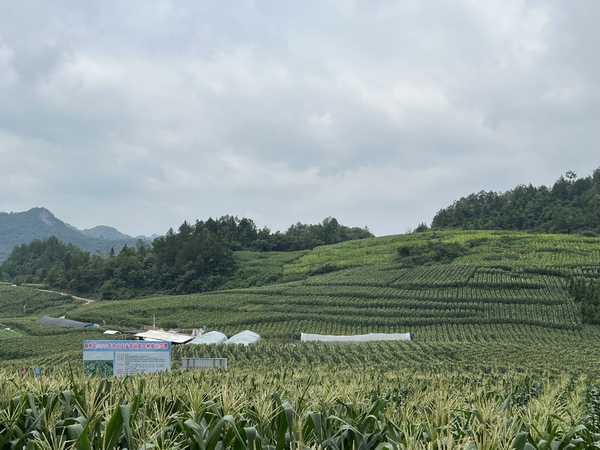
(39, 223)
(571, 205)
(196, 258)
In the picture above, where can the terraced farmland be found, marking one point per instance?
(486, 295)
(18, 301)
(486, 248)
(383, 299)
(499, 357)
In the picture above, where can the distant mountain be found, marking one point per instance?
(104, 232)
(110, 233)
(39, 223)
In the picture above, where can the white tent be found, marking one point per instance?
(245, 337)
(355, 339)
(212, 337)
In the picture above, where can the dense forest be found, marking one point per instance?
(196, 258)
(571, 205)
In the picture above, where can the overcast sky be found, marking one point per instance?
(141, 114)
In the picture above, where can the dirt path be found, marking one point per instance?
(84, 301)
(80, 300)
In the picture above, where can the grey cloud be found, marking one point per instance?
(33, 64)
(141, 115)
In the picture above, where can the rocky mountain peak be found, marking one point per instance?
(46, 216)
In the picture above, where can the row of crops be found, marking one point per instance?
(432, 348)
(258, 268)
(484, 248)
(333, 401)
(384, 298)
(17, 301)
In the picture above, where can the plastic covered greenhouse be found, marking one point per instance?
(212, 337)
(246, 337)
(355, 339)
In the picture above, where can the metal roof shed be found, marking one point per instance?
(174, 338)
(65, 323)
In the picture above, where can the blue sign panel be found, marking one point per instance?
(125, 357)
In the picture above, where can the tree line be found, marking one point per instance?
(571, 205)
(195, 258)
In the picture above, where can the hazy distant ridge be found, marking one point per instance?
(39, 223)
(105, 232)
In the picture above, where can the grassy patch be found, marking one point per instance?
(9, 333)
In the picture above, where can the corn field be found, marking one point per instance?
(299, 408)
(384, 299)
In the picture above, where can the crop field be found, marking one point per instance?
(428, 302)
(8, 333)
(488, 248)
(497, 300)
(34, 344)
(317, 396)
(499, 358)
(258, 268)
(17, 301)
(265, 263)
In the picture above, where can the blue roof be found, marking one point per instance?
(65, 323)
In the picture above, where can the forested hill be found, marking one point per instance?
(39, 223)
(197, 258)
(571, 205)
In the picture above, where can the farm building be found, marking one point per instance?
(65, 323)
(159, 335)
(355, 339)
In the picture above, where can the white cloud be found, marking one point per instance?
(141, 115)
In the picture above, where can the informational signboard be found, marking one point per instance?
(125, 357)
